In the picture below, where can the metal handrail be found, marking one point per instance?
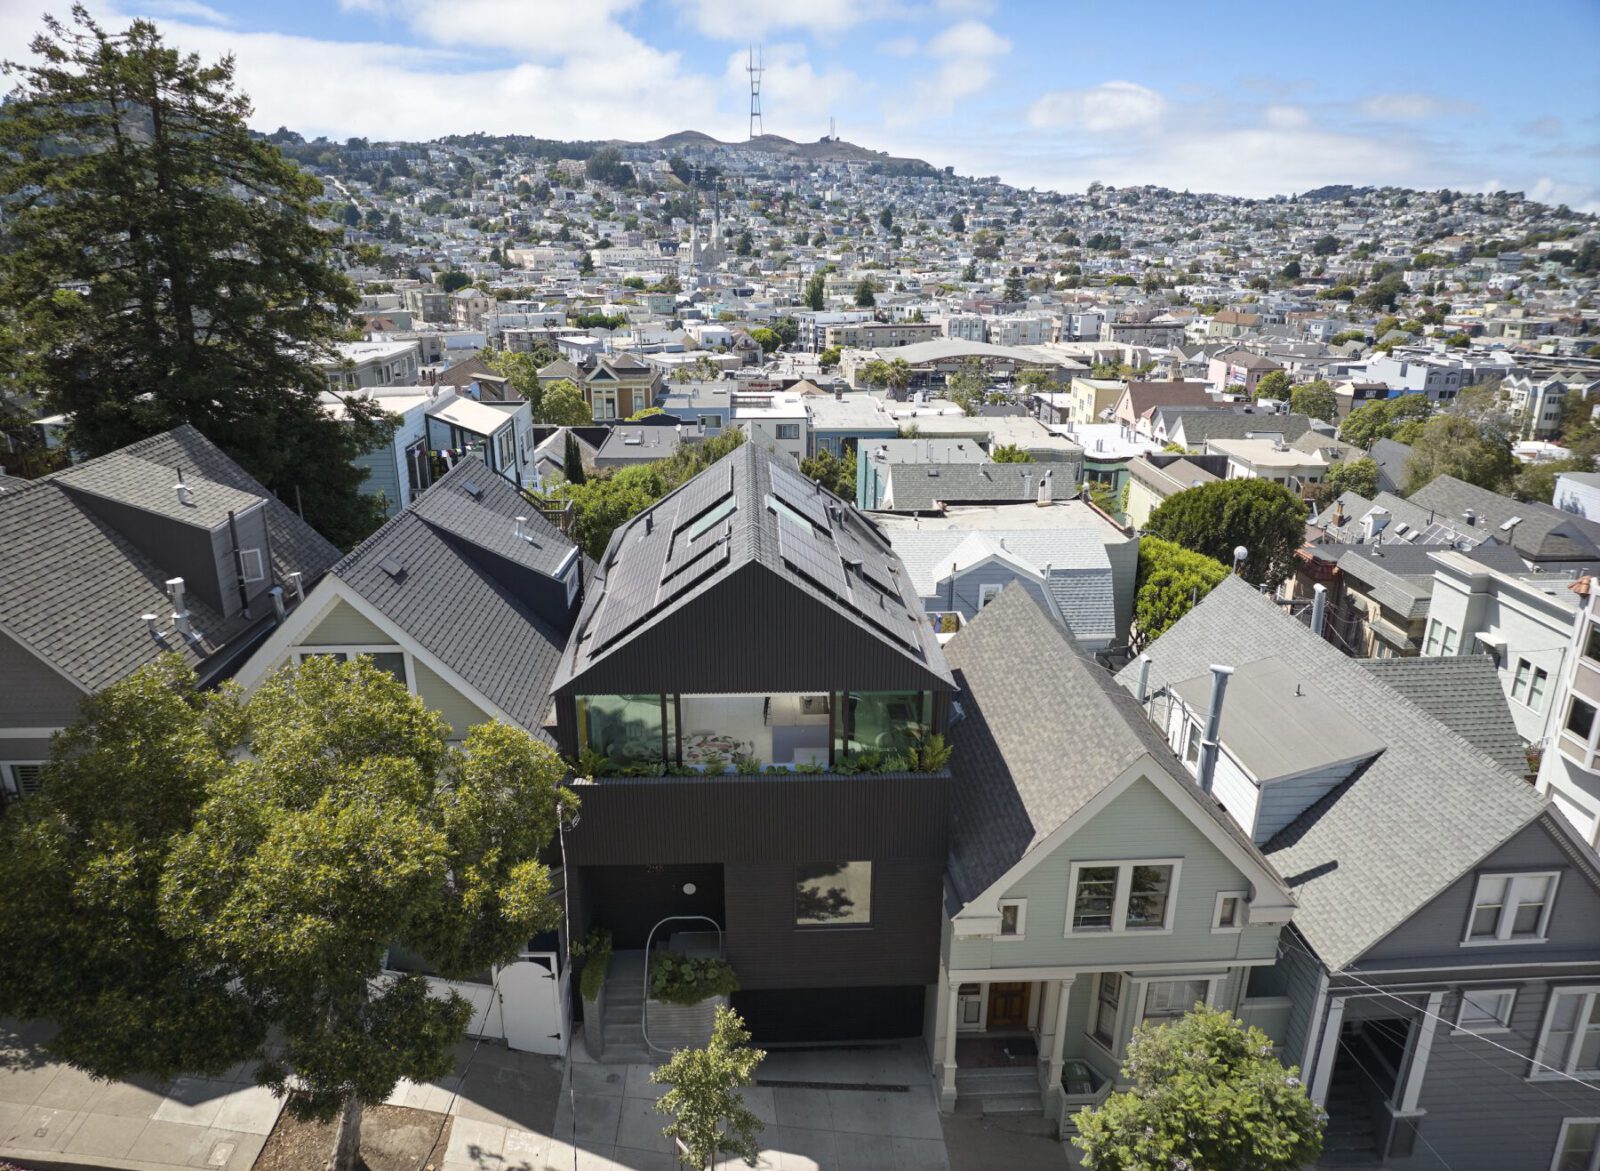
(644, 1008)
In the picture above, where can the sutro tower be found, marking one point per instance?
(755, 70)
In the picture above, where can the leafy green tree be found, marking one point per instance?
(787, 329)
(709, 1115)
(746, 244)
(1016, 289)
(1315, 399)
(1348, 335)
(1454, 445)
(1291, 271)
(886, 219)
(1038, 381)
(1170, 580)
(829, 358)
(958, 222)
(572, 461)
(816, 295)
(586, 264)
(563, 404)
(969, 274)
(1273, 385)
(866, 298)
(1383, 294)
(455, 279)
(1216, 518)
(1538, 481)
(968, 385)
(1206, 1094)
(1009, 453)
(521, 371)
(875, 373)
(836, 473)
(1353, 475)
(146, 293)
(897, 376)
(252, 862)
(1365, 425)
(767, 339)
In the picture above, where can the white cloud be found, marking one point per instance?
(184, 10)
(1109, 108)
(1286, 118)
(966, 53)
(900, 46)
(1411, 107)
(744, 20)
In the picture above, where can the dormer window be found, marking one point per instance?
(1511, 908)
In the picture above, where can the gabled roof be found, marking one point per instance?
(464, 374)
(1381, 846)
(72, 588)
(1141, 396)
(1463, 693)
(753, 512)
(1044, 731)
(456, 590)
(1202, 427)
(1544, 533)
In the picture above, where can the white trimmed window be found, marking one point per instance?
(1485, 1010)
(250, 566)
(1511, 908)
(988, 592)
(1230, 911)
(1013, 918)
(1118, 897)
(1528, 684)
(1167, 1000)
(1569, 1043)
(1107, 1005)
(386, 658)
(1578, 1148)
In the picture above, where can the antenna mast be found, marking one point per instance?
(755, 69)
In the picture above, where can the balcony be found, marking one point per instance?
(686, 735)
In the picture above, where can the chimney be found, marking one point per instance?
(1319, 608)
(180, 612)
(1470, 517)
(1044, 489)
(1141, 690)
(517, 531)
(1208, 743)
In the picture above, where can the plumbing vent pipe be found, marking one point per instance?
(1208, 743)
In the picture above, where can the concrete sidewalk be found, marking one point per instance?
(54, 1116)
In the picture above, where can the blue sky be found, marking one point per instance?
(1244, 98)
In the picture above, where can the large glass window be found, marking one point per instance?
(1580, 718)
(833, 894)
(888, 721)
(1096, 898)
(1147, 899)
(725, 731)
(626, 729)
(394, 662)
(1579, 1145)
(1122, 896)
(1507, 908)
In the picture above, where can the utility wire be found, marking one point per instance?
(1379, 1085)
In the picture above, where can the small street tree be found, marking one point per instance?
(1454, 445)
(1315, 399)
(207, 880)
(1353, 475)
(572, 461)
(866, 297)
(1170, 581)
(1207, 1095)
(1274, 384)
(521, 370)
(709, 1115)
(968, 385)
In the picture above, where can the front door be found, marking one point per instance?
(1008, 1006)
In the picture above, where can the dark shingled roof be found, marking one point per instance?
(72, 588)
(751, 507)
(455, 594)
(1545, 533)
(1044, 730)
(1463, 693)
(1380, 847)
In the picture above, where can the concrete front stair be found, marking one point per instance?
(624, 1012)
(997, 1091)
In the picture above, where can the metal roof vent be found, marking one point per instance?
(472, 488)
(185, 497)
(393, 568)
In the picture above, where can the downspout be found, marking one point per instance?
(1208, 744)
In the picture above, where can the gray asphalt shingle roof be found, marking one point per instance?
(913, 489)
(452, 602)
(1378, 848)
(1544, 533)
(1464, 694)
(1044, 730)
(73, 589)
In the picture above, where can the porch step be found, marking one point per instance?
(984, 1083)
(623, 1013)
(1028, 1103)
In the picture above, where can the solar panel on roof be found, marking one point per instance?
(695, 554)
(801, 495)
(705, 491)
(812, 554)
(693, 575)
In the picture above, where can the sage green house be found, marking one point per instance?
(467, 597)
(1091, 884)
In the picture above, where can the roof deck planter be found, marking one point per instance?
(684, 995)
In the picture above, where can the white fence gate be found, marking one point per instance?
(526, 1006)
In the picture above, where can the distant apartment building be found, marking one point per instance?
(966, 327)
(879, 335)
(425, 303)
(363, 364)
(1020, 330)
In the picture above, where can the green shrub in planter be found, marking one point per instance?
(676, 979)
(596, 953)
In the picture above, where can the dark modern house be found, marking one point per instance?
(753, 622)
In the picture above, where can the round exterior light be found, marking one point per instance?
(1240, 553)
(689, 888)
